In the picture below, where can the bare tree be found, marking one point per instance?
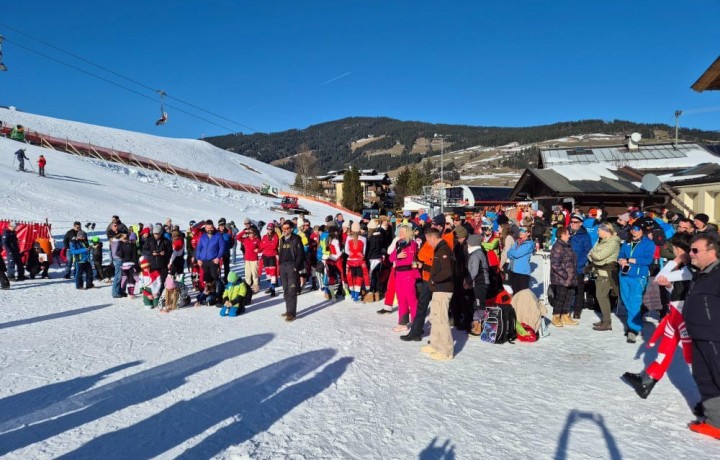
(306, 168)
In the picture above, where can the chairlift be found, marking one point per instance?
(163, 114)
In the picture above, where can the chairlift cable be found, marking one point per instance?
(126, 78)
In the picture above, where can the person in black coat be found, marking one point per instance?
(69, 236)
(157, 250)
(291, 257)
(35, 265)
(12, 249)
(4, 281)
(701, 313)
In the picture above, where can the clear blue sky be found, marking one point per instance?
(270, 65)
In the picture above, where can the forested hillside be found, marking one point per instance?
(388, 143)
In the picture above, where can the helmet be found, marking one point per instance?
(192, 223)
(95, 239)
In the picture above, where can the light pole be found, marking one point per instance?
(678, 113)
(442, 172)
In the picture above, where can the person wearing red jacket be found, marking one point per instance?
(269, 250)
(357, 272)
(41, 165)
(251, 251)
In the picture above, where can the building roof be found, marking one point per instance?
(710, 80)
(646, 157)
(365, 178)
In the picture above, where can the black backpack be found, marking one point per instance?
(499, 325)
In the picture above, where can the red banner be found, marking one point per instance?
(27, 233)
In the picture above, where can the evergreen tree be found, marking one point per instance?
(352, 190)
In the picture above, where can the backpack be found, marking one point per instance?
(499, 326)
(525, 333)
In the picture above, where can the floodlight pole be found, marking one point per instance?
(442, 173)
(677, 124)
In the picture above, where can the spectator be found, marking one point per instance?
(12, 251)
(441, 285)
(69, 236)
(581, 243)
(603, 258)
(20, 155)
(291, 259)
(636, 255)
(563, 262)
(37, 262)
(18, 133)
(209, 252)
(519, 257)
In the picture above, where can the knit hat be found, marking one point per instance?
(355, 227)
(177, 244)
(145, 231)
(702, 218)
(592, 212)
(144, 263)
(460, 231)
(232, 277)
(170, 282)
(373, 224)
(95, 239)
(474, 240)
(576, 217)
(222, 221)
(158, 229)
(329, 219)
(624, 217)
(346, 224)
(439, 220)
(209, 222)
(81, 235)
(424, 217)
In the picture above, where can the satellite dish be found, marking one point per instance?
(635, 137)
(650, 183)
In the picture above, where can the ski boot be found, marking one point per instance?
(272, 291)
(641, 383)
(223, 311)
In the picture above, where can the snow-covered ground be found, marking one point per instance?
(85, 376)
(191, 154)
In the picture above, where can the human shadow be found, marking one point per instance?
(314, 308)
(42, 397)
(62, 314)
(71, 179)
(460, 338)
(435, 451)
(678, 372)
(253, 402)
(135, 389)
(576, 416)
(37, 282)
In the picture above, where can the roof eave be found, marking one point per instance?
(710, 79)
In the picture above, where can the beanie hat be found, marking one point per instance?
(210, 222)
(329, 219)
(144, 263)
(177, 244)
(702, 218)
(424, 217)
(158, 229)
(460, 231)
(355, 227)
(95, 239)
(474, 240)
(170, 282)
(373, 224)
(439, 219)
(145, 231)
(81, 235)
(232, 277)
(624, 216)
(222, 221)
(346, 224)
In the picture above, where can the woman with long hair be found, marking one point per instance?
(357, 271)
(405, 276)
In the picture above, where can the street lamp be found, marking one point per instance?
(678, 113)
(442, 172)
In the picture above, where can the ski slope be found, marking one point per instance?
(85, 376)
(190, 154)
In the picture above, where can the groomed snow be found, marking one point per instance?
(191, 154)
(84, 376)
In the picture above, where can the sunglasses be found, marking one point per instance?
(696, 250)
(575, 222)
(286, 228)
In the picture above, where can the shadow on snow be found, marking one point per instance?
(62, 314)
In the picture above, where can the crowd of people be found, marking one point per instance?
(456, 267)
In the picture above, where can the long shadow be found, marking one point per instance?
(42, 397)
(576, 416)
(108, 399)
(62, 314)
(435, 451)
(460, 338)
(678, 372)
(71, 179)
(38, 283)
(255, 401)
(315, 308)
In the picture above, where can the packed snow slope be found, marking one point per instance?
(190, 154)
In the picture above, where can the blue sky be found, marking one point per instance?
(277, 65)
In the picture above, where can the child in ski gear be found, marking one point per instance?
(80, 252)
(150, 284)
(237, 295)
(41, 165)
(269, 251)
(177, 258)
(97, 256)
(209, 296)
(18, 133)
